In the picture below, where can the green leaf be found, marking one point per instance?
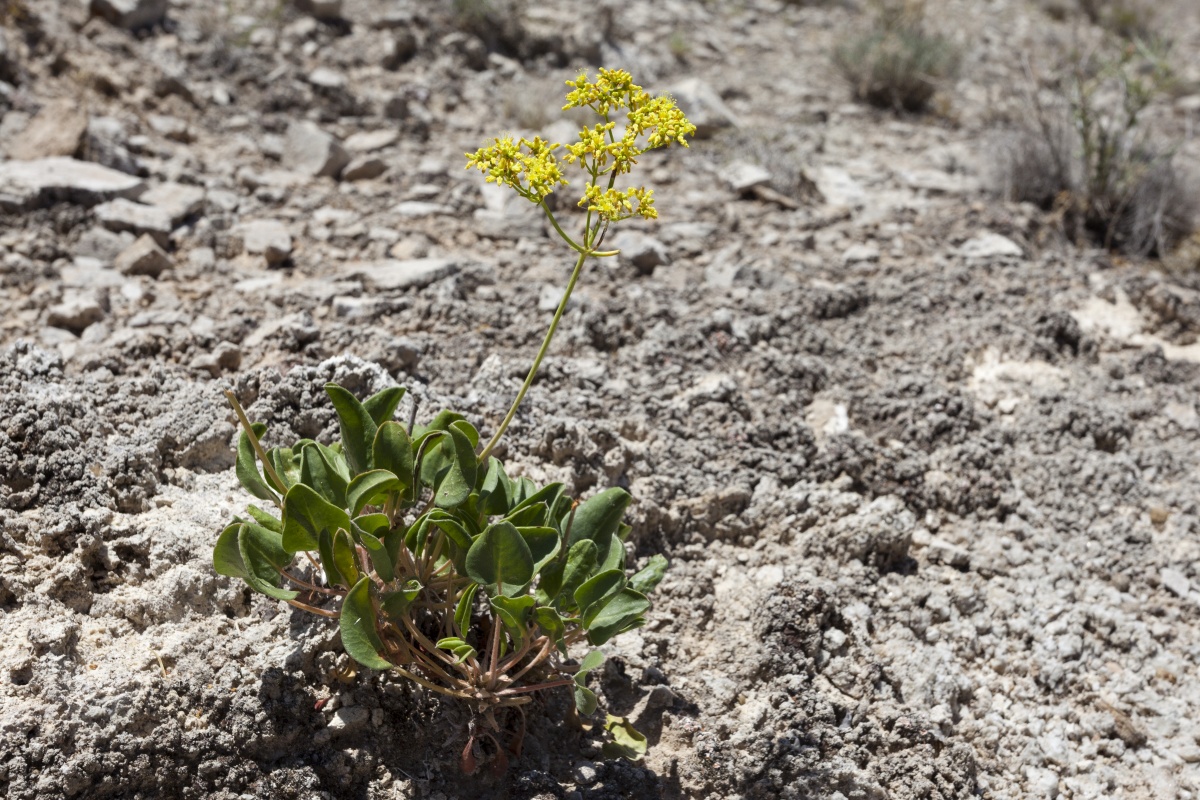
(596, 591)
(357, 624)
(460, 479)
(382, 405)
(500, 558)
(514, 613)
(265, 518)
(305, 515)
(317, 473)
(523, 489)
(646, 579)
(548, 495)
(393, 451)
(430, 461)
(462, 612)
(441, 422)
(585, 698)
(370, 488)
(325, 549)
(286, 463)
(613, 556)
(621, 613)
(372, 523)
(227, 555)
(543, 545)
(599, 517)
(345, 557)
(496, 488)
(263, 555)
(247, 466)
(581, 565)
(528, 516)
(627, 743)
(458, 647)
(553, 626)
(357, 426)
(455, 532)
(379, 556)
(395, 604)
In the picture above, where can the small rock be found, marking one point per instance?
(419, 208)
(743, 177)
(355, 308)
(102, 244)
(1188, 753)
(348, 720)
(225, 357)
(644, 252)
(410, 247)
(414, 273)
(131, 14)
(179, 200)
(703, 106)
(859, 253)
(400, 47)
(364, 168)
(126, 215)
(26, 183)
(312, 151)
(551, 295)
(1182, 414)
(269, 238)
(56, 130)
(942, 552)
(329, 10)
(143, 257)
(585, 773)
(173, 128)
(990, 246)
(107, 143)
(75, 313)
(1175, 582)
(325, 78)
(370, 141)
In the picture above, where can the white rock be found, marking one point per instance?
(75, 313)
(413, 273)
(370, 141)
(420, 208)
(25, 183)
(171, 127)
(325, 78)
(1182, 414)
(364, 168)
(126, 215)
(179, 200)
(56, 130)
(268, 238)
(857, 253)
(130, 14)
(143, 257)
(309, 150)
(743, 176)
(703, 106)
(1175, 582)
(989, 247)
(644, 252)
(348, 720)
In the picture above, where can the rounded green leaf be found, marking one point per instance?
(543, 544)
(627, 741)
(462, 612)
(263, 556)
(246, 467)
(357, 426)
(318, 473)
(599, 517)
(650, 576)
(357, 625)
(459, 480)
(596, 592)
(393, 451)
(382, 405)
(585, 698)
(499, 558)
(370, 487)
(621, 613)
(305, 515)
(227, 555)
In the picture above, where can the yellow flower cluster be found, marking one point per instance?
(614, 205)
(532, 170)
(533, 174)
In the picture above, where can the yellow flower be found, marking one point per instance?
(528, 167)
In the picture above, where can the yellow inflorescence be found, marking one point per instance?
(533, 174)
(532, 170)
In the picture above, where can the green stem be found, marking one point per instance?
(537, 362)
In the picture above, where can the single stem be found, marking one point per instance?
(537, 688)
(262, 456)
(313, 609)
(537, 362)
(311, 587)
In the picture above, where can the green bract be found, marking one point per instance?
(437, 567)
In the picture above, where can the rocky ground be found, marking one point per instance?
(925, 470)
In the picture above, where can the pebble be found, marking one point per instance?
(364, 168)
(26, 183)
(268, 238)
(348, 720)
(325, 78)
(641, 250)
(126, 215)
(990, 247)
(370, 141)
(1175, 582)
(143, 257)
(75, 313)
(585, 773)
(411, 273)
(743, 177)
(311, 151)
(859, 253)
(131, 14)
(179, 200)
(56, 130)
(703, 107)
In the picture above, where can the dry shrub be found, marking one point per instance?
(1086, 154)
(897, 63)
